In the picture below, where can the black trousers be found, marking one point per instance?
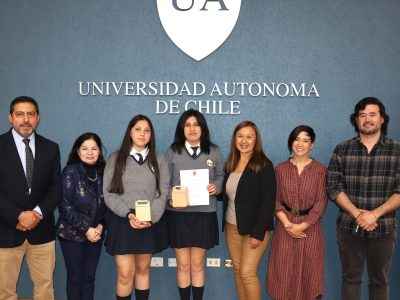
(81, 261)
(377, 253)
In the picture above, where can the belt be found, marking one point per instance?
(296, 212)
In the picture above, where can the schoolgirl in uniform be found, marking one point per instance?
(135, 172)
(194, 229)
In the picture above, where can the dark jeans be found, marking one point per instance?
(377, 252)
(81, 262)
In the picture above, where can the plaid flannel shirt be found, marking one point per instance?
(368, 179)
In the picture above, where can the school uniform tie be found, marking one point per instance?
(140, 158)
(29, 162)
(194, 151)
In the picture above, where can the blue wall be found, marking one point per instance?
(349, 49)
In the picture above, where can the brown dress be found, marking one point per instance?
(296, 266)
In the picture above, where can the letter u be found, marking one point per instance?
(175, 4)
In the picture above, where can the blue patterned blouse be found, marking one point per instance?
(82, 205)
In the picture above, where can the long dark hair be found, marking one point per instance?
(179, 140)
(361, 106)
(73, 157)
(116, 185)
(258, 158)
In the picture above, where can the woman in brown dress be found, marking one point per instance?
(296, 264)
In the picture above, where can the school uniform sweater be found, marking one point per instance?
(139, 184)
(183, 161)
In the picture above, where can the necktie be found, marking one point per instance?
(29, 162)
(140, 158)
(194, 151)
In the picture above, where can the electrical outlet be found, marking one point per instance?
(157, 262)
(213, 262)
(228, 263)
(172, 262)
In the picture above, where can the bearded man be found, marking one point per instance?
(364, 181)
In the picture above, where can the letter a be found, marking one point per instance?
(221, 3)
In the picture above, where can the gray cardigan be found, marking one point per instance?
(139, 184)
(212, 162)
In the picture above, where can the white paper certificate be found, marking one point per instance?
(196, 181)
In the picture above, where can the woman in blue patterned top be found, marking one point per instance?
(82, 214)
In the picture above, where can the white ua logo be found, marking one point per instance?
(198, 27)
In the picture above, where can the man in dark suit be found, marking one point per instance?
(29, 192)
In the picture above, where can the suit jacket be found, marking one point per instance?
(82, 205)
(14, 191)
(254, 201)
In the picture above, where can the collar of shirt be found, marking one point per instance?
(190, 150)
(382, 140)
(144, 153)
(21, 145)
